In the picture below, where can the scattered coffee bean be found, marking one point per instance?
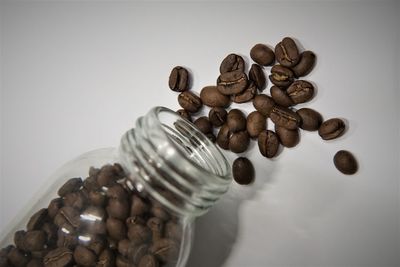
(223, 137)
(203, 124)
(305, 65)
(281, 76)
(232, 62)
(256, 123)
(331, 129)
(70, 186)
(190, 102)
(263, 104)
(310, 119)
(285, 117)
(179, 79)
(300, 91)
(236, 121)
(184, 114)
(345, 162)
(268, 143)
(231, 83)
(256, 74)
(287, 53)
(281, 97)
(217, 116)
(211, 97)
(262, 54)
(243, 171)
(239, 141)
(287, 137)
(247, 94)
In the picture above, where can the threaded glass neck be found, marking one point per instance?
(166, 156)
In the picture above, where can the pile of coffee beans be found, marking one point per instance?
(288, 65)
(99, 221)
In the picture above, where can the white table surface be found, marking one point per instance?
(75, 76)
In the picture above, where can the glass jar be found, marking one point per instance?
(132, 206)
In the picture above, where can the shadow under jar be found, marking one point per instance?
(132, 206)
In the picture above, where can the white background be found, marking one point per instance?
(75, 76)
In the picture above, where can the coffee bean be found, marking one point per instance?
(165, 250)
(262, 54)
(287, 137)
(247, 95)
(93, 213)
(138, 206)
(236, 120)
(345, 162)
(97, 198)
(159, 211)
(223, 137)
(256, 123)
(35, 240)
(106, 258)
(285, 117)
(190, 102)
(156, 226)
(203, 124)
(64, 239)
(70, 186)
(231, 83)
(76, 200)
(139, 233)
(53, 207)
(69, 215)
(239, 142)
(84, 256)
(117, 192)
(106, 176)
(211, 97)
(90, 183)
(217, 116)
(232, 62)
(281, 97)
(331, 129)
(305, 65)
(19, 237)
(51, 233)
(121, 261)
(97, 243)
(268, 143)
(116, 229)
(118, 208)
(35, 263)
(138, 251)
(124, 247)
(148, 261)
(184, 114)
(243, 171)
(287, 53)
(263, 104)
(281, 76)
(256, 74)
(178, 79)
(17, 258)
(58, 257)
(310, 119)
(300, 91)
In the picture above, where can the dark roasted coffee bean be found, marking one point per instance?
(190, 102)
(231, 83)
(156, 226)
(93, 213)
(300, 91)
(17, 257)
(58, 257)
(19, 237)
(91, 184)
(285, 117)
(51, 233)
(159, 211)
(179, 79)
(310, 119)
(305, 65)
(263, 104)
(345, 162)
(288, 138)
(211, 97)
(138, 251)
(239, 142)
(97, 198)
(281, 76)
(247, 95)
(69, 215)
(116, 229)
(331, 129)
(262, 54)
(223, 137)
(232, 62)
(139, 233)
(268, 143)
(165, 250)
(217, 116)
(286, 52)
(70, 186)
(138, 206)
(148, 261)
(117, 192)
(53, 207)
(243, 171)
(203, 124)
(173, 230)
(256, 123)
(96, 243)
(124, 247)
(121, 261)
(76, 200)
(107, 176)
(37, 220)
(35, 263)
(106, 258)
(35, 240)
(256, 74)
(84, 256)
(236, 120)
(281, 97)
(118, 208)
(184, 114)
(66, 238)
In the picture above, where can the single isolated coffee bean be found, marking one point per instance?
(184, 114)
(310, 119)
(262, 54)
(345, 162)
(210, 96)
(256, 74)
(203, 124)
(300, 91)
(281, 97)
(305, 65)
(286, 52)
(285, 117)
(236, 120)
(263, 104)
(268, 143)
(243, 171)
(232, 62)
(287, 137)
(231, 83)
(256, 123)
(281, 76)
(190, 102)
(217, 116)
(247, 94)
(331, 129)
(223, 137)
(179, 79)
(70, 186)
(239, 142)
